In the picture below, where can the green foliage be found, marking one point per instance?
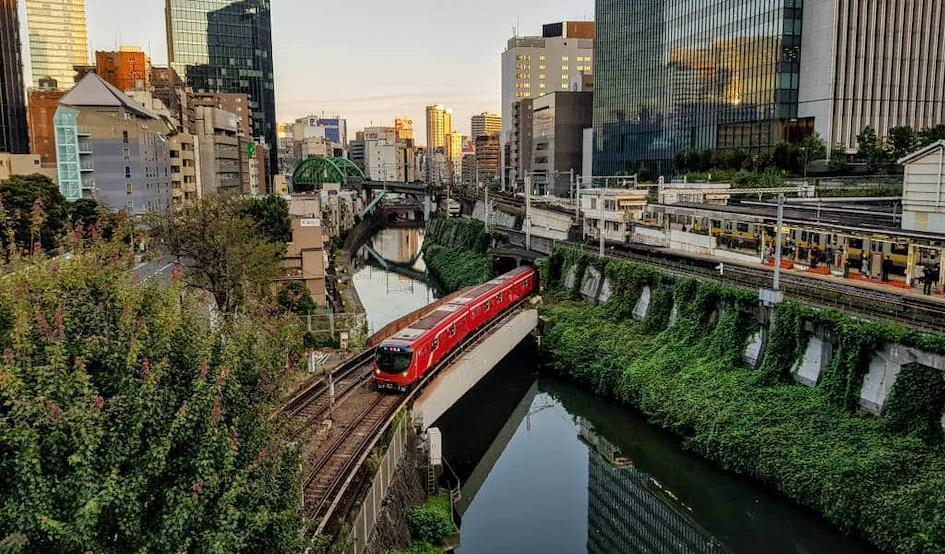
(130, 424)
(454, 251)
(916, 402)
(271, 214)
(295, 298)
(221, 248)
(875, 476)
(33, 211)
(874, 150)
(455, 268)
(433, 521)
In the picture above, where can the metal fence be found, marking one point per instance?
(363, 525)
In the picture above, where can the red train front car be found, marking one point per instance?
(411, 353)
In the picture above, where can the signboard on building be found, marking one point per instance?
(311, 222)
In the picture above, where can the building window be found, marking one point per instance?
(127, 172)
(124, 137)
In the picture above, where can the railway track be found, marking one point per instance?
(308, 403)
(335, 467)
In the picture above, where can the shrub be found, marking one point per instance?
(433, 521)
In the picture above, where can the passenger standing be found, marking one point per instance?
(919, 275)
(865, 266)
(930, 278)
(887, 268)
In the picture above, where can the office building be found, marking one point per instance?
(218, 149)
(225, 46)
(58, 39)
(112, 149)
(673, 76)
(486, 125)
(404, 127)
(486, 158)
(536, 65)
(236, 103)
(558, 124)
(14, 136)
(23, 164)
(866, 66)
(127, 69)
(439, 124)
(517, 148)
(454, 153)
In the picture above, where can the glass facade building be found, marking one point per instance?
(226, 46)
(13, 132)
(673, 75)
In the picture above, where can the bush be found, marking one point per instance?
(454, 251)
(433, 521)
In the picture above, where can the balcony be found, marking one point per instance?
(86, 165)
(83, 131)
(85, 147)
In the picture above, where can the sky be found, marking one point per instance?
(368, 60)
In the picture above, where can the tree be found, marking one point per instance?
(223, 250)
(930, 135)
(271, 213)
(902, 142)
(295, 298)
(873, 150)
(814, 147)
(33, 211)
(131, 425)
(786, 157)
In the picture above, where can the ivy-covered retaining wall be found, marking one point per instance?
(454, 250)
(881, 477)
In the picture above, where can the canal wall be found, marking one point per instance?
(454, 250)
(840, 414)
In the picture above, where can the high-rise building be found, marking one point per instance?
(112, 149)
(218, 149)
(58, 38)
(439, 124)
(226, 46)
(404, 127)
(486, 125)
(517, 149)
(14, 137)
(236, 103)
(558, 125)
(127, 69)
(862, 66)
(673, 76)
(536, 65)
(454, 153)
(487, 158)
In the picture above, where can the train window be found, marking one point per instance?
(742, 227)
(487, 305)
(500, 297)
(436, 343)
(452, 330)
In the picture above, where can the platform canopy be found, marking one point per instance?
(320, 170)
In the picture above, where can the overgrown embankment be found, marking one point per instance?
(881, 477)
(455, 252)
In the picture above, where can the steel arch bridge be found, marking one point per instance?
(321, 170)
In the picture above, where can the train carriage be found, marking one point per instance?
(406, 357)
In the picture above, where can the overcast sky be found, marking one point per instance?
(369, 60)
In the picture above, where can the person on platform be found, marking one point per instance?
(887, 268)
(919, 275)
(865, 266)
(931, 277)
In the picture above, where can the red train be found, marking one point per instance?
(406, 357)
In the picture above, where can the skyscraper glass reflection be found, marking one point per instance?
(226, 46)
(679, 74)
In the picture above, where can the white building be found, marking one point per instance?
(612, 210)
(537, 65)
(380, 161)
(923, 191)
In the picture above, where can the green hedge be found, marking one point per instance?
(432, 522)
(883, 478)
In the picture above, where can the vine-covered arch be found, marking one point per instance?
(321, 170)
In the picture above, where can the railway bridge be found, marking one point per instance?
(341, 421)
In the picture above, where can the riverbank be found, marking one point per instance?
(454, 251)
(882, 478)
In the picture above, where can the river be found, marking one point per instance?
(548, 467)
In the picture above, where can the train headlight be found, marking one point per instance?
(404, 374)
(377, 372)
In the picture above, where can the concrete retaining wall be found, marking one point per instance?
(885, 366)
(643, 304)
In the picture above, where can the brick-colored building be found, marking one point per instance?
(127, 69)
(42, 110)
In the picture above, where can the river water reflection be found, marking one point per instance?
(548, 467)
(386, 293)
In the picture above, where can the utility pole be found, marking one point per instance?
(488, 213)
(528, 212)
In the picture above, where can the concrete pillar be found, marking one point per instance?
(606, 291)
(673, 314)
(590, 286)
(643, 304)
(884, 369)
(816, 358)
(570, 277)
(755, 350)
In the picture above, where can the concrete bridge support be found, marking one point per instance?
(885, 366)
(453, 382)
(816, 358)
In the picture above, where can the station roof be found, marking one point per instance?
(875, 220)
